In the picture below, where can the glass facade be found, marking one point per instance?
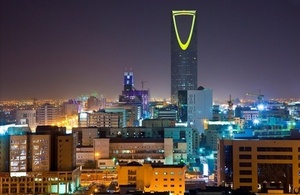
(183, 52)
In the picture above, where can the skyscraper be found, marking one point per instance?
(183, 52)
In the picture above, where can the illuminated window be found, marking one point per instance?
(156, 173)
(165, 173)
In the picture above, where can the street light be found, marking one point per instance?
(96, 163)
(96, 158)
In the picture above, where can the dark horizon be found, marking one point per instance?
(63, 49)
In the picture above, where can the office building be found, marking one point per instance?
(4, 153)
(41, 163)
(93, 103)
(101, 119)
(27, 117)
(183, 52)
(134, 149)
(194, 107)
(259, 165)
(47, 114)
(132, 96)
(70, 108)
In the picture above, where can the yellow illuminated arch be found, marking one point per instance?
(184, 46)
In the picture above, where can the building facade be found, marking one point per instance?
(259, 165)
(27, 117)
(47, 114)
(101, 119)
(134, 149)
(195, 106)
(40, 163)
(153, 177)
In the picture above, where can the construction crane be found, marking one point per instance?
(260, 103)
(230, 103)
(230, 113)
(260, 97)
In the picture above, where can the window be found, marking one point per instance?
(245, 164)
(276, 157)
(274, 149)
(246, 187)
(245, 156)
(248, 149)
(245, 180)
(245, 172)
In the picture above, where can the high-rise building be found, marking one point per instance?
(195, 106)
(46, 114)
(183, 52)
(27, 117)
(102, 119)
(132, 96)
(260, 165)
(93, 103)
(40, 163)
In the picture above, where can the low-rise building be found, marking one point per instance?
(153, 177)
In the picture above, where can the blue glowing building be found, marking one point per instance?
(132, 96)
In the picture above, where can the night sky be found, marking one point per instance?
(64, 49)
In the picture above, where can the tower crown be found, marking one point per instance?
(192, 13)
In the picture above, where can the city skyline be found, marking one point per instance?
(54, 49)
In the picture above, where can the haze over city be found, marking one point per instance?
(63, 49)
